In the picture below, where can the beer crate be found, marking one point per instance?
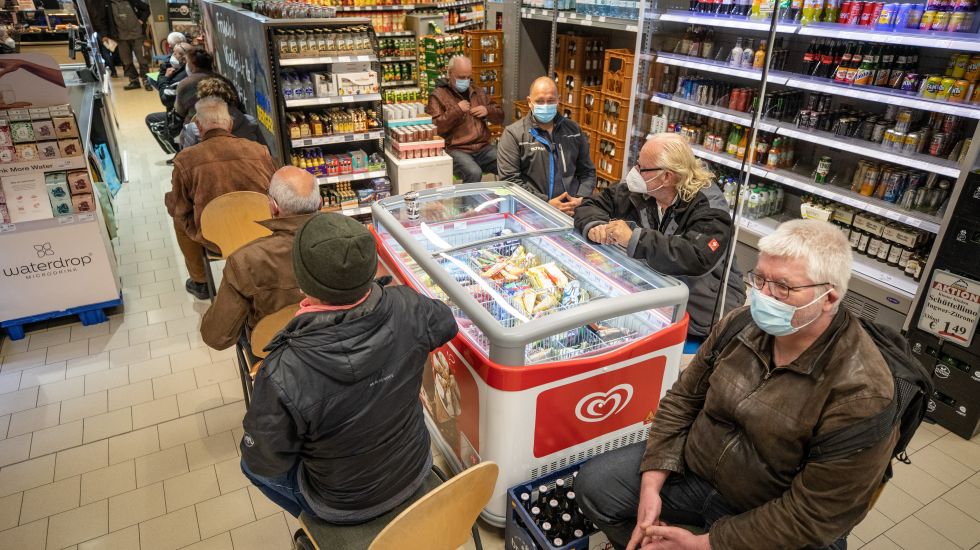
(520, 109)
(484, 48)
(568, 111)
(617, 78)
(520, 530)
(570, 89)
(613, 117)
(575, 57)
(611, 153)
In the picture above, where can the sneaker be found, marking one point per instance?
(133, 85)
(147, 86)
(197, 290)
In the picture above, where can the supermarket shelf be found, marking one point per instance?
(332, 100)
(841, 195)
(399, 7)
(942, 40)
(293, 62)
(339, 138)
(726, 21)
(394, 34)
(710, 66)
(324, 180)
(882, 95)
(408, 122)
(457, 4)
(463, 25)
(612, 23)
(398, 83)
(878, 274)
(396, 58)
(860, 147)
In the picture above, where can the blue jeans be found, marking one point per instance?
(283, 490)
(470, 167)
(608, 491)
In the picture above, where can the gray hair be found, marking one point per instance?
(455, 59)
(212, 112)
(175, 38)
(286, 188)
(821, 246)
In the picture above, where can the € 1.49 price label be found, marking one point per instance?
(951, 308)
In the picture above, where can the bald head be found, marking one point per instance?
(543, 101)
(544, 86)
(293, 192)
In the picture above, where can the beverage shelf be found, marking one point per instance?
(338, 138)
(888, 278)
(298, 61)
(408, 122)
(359, 211)
(878, 207)
(324, 180)
(332, 100)
(718, 67)
(463, 25)
(612, 23)
(726, 21)
(397, 58)
(912, 160)
(399, 83)
(398, 7)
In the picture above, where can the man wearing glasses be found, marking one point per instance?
(728, 447)
(669, 214)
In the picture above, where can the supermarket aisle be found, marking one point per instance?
(125, 435)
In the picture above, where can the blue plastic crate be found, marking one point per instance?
(520, 531)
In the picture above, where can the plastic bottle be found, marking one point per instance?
(752, 207)
(756, 9)
(760, 56)
(736, 55)
(809, 9)
(743, 143)
(747, 56)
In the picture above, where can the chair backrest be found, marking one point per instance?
(229, 220)
(442, 519)
(269, 326)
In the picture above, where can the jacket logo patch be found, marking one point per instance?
(249, 442)
(713, 245)
(942, 371)
(598, 406)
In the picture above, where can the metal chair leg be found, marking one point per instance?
(243, 369)
(209, 275)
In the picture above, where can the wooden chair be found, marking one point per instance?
(263, 333)
(229, 222)
(442, 519)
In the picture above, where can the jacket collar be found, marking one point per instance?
(215, 132)
(289, 224)
(812, 361)
(535, 124)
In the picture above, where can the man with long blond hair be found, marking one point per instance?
(669, 214)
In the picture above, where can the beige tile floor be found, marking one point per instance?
(124, 435)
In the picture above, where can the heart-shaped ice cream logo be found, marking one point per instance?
(598, 406)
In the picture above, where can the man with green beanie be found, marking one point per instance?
(335, 425)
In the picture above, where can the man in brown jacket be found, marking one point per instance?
(728, 446)
(220, 164)
(258, 277)
(461, 111)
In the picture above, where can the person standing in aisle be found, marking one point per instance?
(122, 22)
(669, 214)
(220, 164)
(258, 277)
(546, 153)
(335, 427)
(729, 446)
(461, 110)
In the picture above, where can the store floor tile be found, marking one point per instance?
(125, 434)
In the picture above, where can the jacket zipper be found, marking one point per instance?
(564, 167)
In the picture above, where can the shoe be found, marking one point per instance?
(197, 290)
(147, 86)
(113, 74)
(133, 85)
(170, 161)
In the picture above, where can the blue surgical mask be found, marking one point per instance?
(775, 317)
(545, 113)
(462, 84)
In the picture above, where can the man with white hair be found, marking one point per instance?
(175, 38)
(461, 110)
(258, 277)
(730, 445)
(221, 163)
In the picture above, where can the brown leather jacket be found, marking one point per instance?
(462, 131)
(220, 164)
(744, 427)
(258, 280)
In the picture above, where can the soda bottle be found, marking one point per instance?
(747, 56)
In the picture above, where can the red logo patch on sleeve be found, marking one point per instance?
(713, 245)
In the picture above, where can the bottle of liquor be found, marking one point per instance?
(747, 56)
(707, 47)
(736, 56)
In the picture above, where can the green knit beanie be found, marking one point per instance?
(334, 258)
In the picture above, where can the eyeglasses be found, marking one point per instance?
(645, 170)
(779, 290)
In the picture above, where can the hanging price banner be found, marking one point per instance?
(951, 308)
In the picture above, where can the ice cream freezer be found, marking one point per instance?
(565, 347)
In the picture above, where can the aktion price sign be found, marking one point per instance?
(951, 307)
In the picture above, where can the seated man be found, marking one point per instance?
(167, 84)
(729, 443)
(258, 277)
(669, 214)
(220, 164)
(335, 426)
(546, 153)
(461, 110)
(243, 126)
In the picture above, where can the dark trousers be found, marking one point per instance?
(283, 490)
(470, 167)
(157, 124)
(608, 491)
(127, 49)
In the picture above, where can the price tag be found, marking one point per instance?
(343, 59)
(459, 225)
(349, 137)
(307, 142)
(7, 227)
(602, 18)
(347, 99)
(951, 307)
(65, 220)
(86, 217)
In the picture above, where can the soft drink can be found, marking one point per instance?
(886, 20)
(960, 63)
(910, 144)
(931, 87)
(893, 186)
(940, 21)
(938, 143)
(823, 170)
(902, 16)
(915, 16)
(956, 21)
(876, 14)
(845, 12)
(950, 124)
(879, 131)
(867, 14)
(854, 17)
(910, 82)
(947, 87)
(975, 96)
(903, 120)
(925, 23)
(972, 69)
(959, 91)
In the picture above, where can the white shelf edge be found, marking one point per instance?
(342, 138)
(394, 34)
(570, 17)
(293, 62)
(399, 83)
(711, 67)
(397, 59)
(869, 94)
(725, 115)
(332, 100)
(325, 180)
(926, 40)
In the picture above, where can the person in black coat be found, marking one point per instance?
(122, 22)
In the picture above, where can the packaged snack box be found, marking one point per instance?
(55, 178)
(6, 138)
(83, 203)
(62, 207)
(79, 182)
(23, 132)
(7, 154)
(48, 149)
(64, 127)
(25, 152)
(59, 191)
(43, 129)
(70, 147)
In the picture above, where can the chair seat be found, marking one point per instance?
(328, 536)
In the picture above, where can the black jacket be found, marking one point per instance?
(546, 166)
(165, 82)
(100, 12)
(688, 243)
(339, 394)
